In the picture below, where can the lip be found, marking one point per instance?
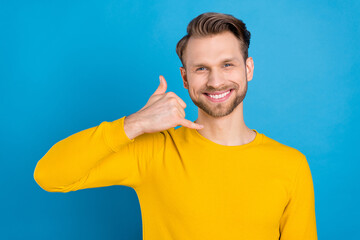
(219, 99)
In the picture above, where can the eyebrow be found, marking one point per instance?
(224, 60)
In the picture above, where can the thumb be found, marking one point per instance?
(162, 86)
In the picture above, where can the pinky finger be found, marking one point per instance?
(189, 124)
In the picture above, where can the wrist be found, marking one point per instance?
(132, 126)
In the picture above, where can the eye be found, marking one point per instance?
(200, 68)
(228, 64)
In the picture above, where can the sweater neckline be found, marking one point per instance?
(203, 140)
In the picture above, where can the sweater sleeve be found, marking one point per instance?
(298, 221)
(97, 157)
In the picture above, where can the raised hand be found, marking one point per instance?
(162, 111)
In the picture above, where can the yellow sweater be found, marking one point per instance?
(189, 187)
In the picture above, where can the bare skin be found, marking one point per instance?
(162, 111)
(205, 71)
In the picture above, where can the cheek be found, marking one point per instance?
(236, 74)
(239, 77)
(194, 84)
(195, 91)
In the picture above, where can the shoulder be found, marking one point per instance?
(277, 146)
(286, 154)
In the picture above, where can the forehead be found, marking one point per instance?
(212, 49)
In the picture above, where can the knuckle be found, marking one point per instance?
(174, 110)
(170, 94)
(172, 100)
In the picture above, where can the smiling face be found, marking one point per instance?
(214, 66)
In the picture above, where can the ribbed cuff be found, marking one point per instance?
(115, 135)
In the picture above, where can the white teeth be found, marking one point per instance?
(220, 95)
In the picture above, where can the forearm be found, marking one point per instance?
(73, 157)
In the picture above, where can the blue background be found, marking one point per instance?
(66, 66)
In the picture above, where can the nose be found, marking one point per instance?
(215, 79)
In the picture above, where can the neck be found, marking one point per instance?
(229, 130)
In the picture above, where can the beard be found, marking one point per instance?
(221, 109)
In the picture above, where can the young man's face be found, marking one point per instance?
(215, 64)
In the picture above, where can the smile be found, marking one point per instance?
(219, 97)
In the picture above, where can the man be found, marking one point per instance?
(210, 179)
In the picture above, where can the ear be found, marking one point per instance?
(184, 78)
(249, 68)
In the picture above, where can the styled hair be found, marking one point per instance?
(211, 23)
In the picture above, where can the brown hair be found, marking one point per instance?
(212, 23)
